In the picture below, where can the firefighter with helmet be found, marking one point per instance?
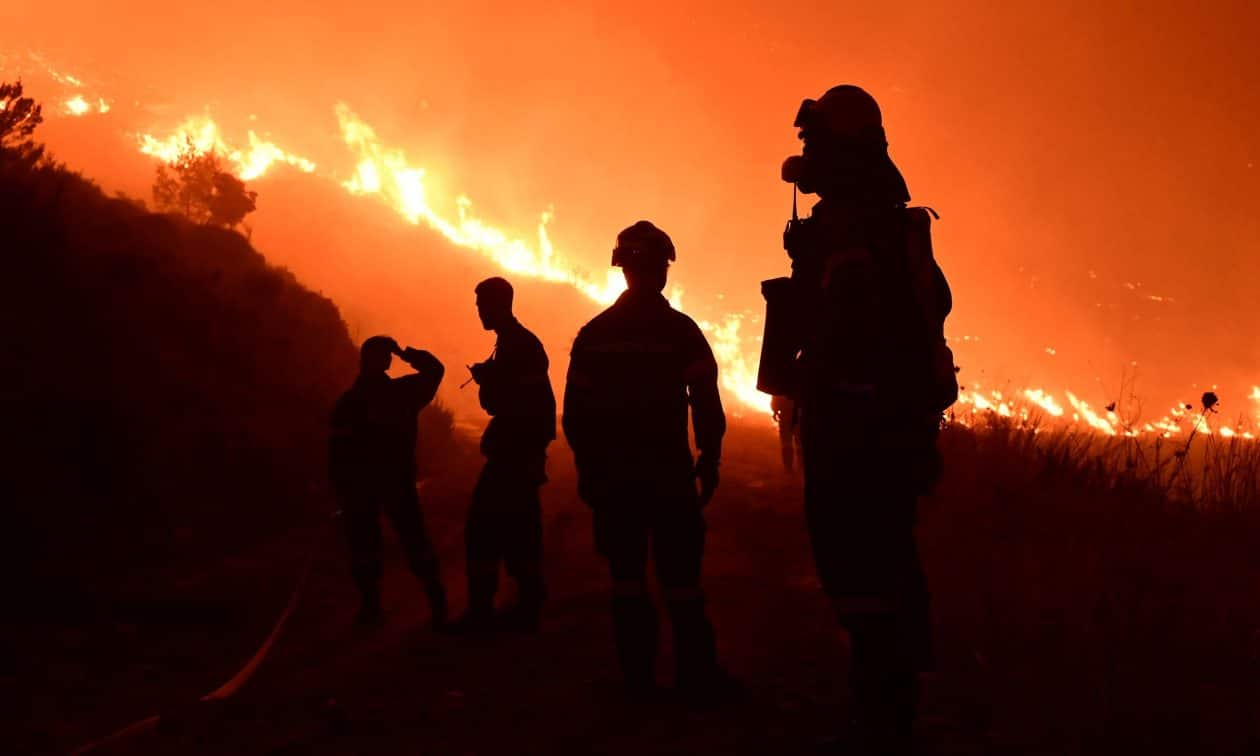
(635, 372)
(855, 336)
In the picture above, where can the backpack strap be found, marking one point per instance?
(931, 290)
(933, 297)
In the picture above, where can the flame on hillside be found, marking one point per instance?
(1032, 407)
(203, 135)
(386, 173)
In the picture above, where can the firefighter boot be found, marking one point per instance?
(478, 618)
(634, 628)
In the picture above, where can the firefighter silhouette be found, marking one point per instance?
(856, 338)
(372, 464)
(504, 518)
(635, 371)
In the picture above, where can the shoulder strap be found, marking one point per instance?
(922, 262)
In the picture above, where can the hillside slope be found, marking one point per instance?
(165, 389)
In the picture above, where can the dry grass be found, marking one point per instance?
(1091, 594)
(1208, 472)
(1097, 592)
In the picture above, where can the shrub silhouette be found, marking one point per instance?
(197, 187)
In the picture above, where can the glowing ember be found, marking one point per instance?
(77, 105)
(59, 76)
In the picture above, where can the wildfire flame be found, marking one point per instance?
(73, 105)
(79, 105)
(202, 133)
(1044, 401)
(60, 77)
(738, 373)
(1040, 404)
(386, 173)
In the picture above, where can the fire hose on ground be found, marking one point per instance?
(242, 676)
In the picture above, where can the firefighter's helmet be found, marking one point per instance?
(642, 243)
(845, 112)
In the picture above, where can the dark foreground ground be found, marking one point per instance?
(1054, 638)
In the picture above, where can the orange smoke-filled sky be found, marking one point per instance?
(1085, 157)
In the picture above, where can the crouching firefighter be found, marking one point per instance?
(372, 464)
(634, 372)
(856, 336)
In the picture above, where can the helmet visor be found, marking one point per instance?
(806, 114)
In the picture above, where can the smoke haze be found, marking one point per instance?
(1095, 167)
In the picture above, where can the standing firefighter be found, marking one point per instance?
(505, 516)
(634, 372)
(856, 336)
(372, 461)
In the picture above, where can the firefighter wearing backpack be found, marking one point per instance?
(856, 337)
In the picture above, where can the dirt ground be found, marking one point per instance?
(330, 687)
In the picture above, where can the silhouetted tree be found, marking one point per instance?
(231, 201)
(18, 115)
(197, 187)
(18, 118)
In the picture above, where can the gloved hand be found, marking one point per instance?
(479, 371)
(420, 359)
(707, 476)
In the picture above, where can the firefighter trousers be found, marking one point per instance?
(668, 523)
(860, 508)
(361, 513)
(504, 525)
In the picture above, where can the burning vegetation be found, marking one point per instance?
(387, 174)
